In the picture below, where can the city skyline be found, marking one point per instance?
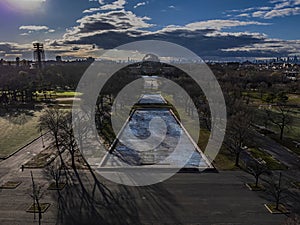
(215, 30)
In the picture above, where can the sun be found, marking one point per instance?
(25, 5)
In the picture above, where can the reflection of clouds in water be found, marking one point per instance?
(145, 131)
(141, 125)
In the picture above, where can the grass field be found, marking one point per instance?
(294, 99)
(256, 97)
(57, 94)
(20, 127)
(293, 129)
(271, 163)
(17, 130)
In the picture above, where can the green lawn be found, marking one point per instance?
(57, 94)
(271, 163)
(17, 130)
(225, 160)
(294, 99)
(255, 96)
(291, 131)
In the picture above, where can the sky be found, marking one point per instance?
(213, 29)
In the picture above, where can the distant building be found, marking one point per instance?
(90, 59)
(295, 58)
(58, 59)
(291, 75)
(18, 61)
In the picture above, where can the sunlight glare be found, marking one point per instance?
(25, 5)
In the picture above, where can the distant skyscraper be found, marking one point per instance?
(58, 58)
(295, 58)
(90, 59)
(39, 54)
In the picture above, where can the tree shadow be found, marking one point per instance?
(90, 199)
(19, 116)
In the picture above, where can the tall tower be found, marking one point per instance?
(39, 54)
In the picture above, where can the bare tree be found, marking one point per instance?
(277, 189)
(36, 196)
(66, 137)
(262, 86)
(238, 132)
(280, 117)
(52, 120)
(204, 112)
(54, 170)
(256, 169)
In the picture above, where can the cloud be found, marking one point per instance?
(277, 13)
(207, 38)
(112, 21)
(116, 5)
(267, 48)
(91, 10)
(248, 9)
(139, 4)
(282, 5)
(101, 2)
(12, 56)
(221, 24)
(171, 7)
(33, 28)
(213, 25)
(280, 8)
(9, 50)
(244, 15)
(258, 14)
(119, 4)
(282, 12)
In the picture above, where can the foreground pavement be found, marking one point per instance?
(186, 198)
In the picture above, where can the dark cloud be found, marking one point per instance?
(5, 48)
(199, 41)
(109, 29)
(206, 38)
(98, 25)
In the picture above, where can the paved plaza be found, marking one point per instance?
(186, 198)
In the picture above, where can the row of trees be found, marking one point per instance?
(19, 85)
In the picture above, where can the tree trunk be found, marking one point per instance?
(281, 133)
(277, 203)
(73, 160)
(237, 159)
(58, 149)
(56, 182)
(39, 210)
